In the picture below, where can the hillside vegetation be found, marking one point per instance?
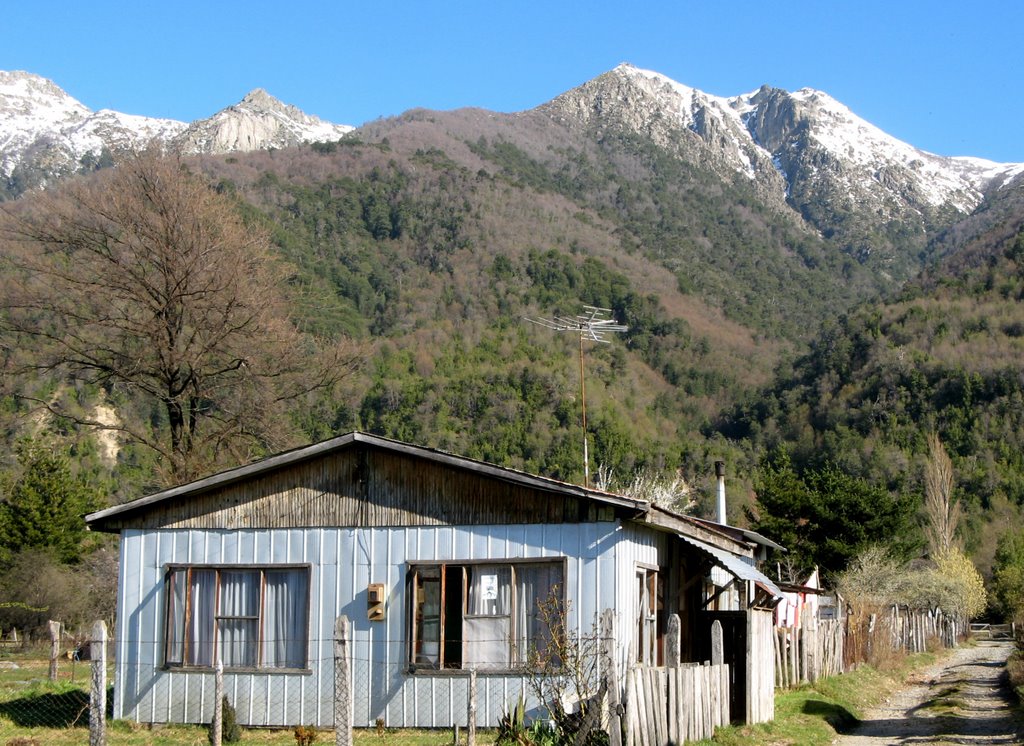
(426, 240)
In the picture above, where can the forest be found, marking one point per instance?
(172, 317)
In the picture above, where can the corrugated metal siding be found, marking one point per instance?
(601, 558)
(638, 546)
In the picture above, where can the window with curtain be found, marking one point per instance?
(246, 617)
(482, 615)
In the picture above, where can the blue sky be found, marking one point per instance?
(943, 76)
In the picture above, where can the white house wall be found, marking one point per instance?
(601, 559)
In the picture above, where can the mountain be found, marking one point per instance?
(731, 235)
(47, 134)
(877, 198)
(943, 355)
(259, 121)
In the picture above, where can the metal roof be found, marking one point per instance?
(736, 566)
(342, 442)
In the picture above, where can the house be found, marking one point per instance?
(438, 560)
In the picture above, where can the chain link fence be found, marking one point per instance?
(36, 710)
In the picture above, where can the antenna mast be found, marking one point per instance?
(594, 325)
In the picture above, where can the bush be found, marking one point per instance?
(230, 730)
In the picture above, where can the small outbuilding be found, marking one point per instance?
(440, 563)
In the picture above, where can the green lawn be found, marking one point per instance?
(45, 713)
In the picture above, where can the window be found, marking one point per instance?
(244, 616)
(481, 615)
(650, 603)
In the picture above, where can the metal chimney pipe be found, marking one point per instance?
(720, 473)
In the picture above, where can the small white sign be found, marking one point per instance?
(489, 587)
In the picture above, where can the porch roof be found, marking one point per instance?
(736, 566)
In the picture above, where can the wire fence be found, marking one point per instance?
(163, 705)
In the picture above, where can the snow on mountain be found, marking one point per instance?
(801, 146)
(45, 133)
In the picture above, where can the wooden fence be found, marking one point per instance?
(828, 647)
(808, 653)
(681, 701)
(666, 705)
(985, 631)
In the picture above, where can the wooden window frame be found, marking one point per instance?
(171, 569)
(412, 627)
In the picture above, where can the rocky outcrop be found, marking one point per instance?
(259, 121)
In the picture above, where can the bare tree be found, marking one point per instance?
(942, 510)
(148, 282)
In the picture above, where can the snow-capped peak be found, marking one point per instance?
(805, 136)
(45, 133)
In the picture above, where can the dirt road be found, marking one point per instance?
(963, 700)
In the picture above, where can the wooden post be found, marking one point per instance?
(717, 644)
(54, 647)
(342, 690)
(217, 727)
(98, 689)
(804, 657)
(674, 642)
(610, 660)
(471, 711)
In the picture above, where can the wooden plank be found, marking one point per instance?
(726, 694)
(686, 691)
(780, 658)
(662, 706)
(673, 704)
(709, 719)
(629, 709)
(652, 706)
(698, 704)
(642, 708)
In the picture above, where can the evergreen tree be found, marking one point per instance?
(42, 507)
(825, 516)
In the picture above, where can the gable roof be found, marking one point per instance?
(344, 442)
(114, 518)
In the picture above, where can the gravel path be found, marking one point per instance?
(963, 700)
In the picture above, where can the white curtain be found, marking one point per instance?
(486, 627)
(176, 616)
(201, 622)
(284, 619)
(535, 585)
(239, 617)
(489, 590)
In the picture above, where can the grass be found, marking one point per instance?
(51, 713)
(37, 712)
(813, 715)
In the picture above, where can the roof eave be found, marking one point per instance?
(96, 520)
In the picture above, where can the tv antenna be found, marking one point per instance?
(594, 324)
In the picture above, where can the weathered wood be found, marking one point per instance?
(726, 695)
(688, 706)
(98, 685)
(674, 641)
(367, 486)
(780, 671)
(673, 704)
(717, 644)
(630, 707)
(217, 726)
(342, 687)
(609, 660)
(471, 710)
(804, 655)
(651, 728)
(54, 628)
